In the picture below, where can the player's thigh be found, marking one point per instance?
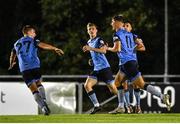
(117, 79)
(90, 82)
(139, 82)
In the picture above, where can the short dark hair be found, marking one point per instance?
(119, 18)
(27, 28)
(128, 21)
(91, 24)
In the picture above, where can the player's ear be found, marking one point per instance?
(96, 29)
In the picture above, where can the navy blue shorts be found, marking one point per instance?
(32, 75)
(130, 69)
(104, 75)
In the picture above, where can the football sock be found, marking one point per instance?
(126, 96)
(151, 89)
(121, 97)
(38, 99)
(93, 98)
(125, 103)
(137, 96)
(42, 91)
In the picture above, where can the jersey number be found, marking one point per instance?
(20, 45)
(128, 42)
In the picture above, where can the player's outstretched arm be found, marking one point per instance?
(12, 60)
(50, 47)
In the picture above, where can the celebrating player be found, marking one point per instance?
(26, 51)
(124, 46)
(102, 70)
(140, 47)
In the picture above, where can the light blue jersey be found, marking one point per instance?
(26, 51)
(128, 45)
(99, 59)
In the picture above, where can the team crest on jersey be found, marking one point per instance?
(37, 40)
(101, 41)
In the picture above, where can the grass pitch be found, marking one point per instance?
(96, 118)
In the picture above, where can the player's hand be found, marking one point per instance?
(106, 47)
(59, 51)
(139, 43)
(11, 66)
(86, 48)
(107, 44)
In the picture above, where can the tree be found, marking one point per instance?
(63, 23)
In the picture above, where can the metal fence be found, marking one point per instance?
(80, 79)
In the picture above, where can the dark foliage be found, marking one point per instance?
(63, 23)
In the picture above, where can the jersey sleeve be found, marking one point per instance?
(36, 42)
(116, 38)
(13, 50)
(101, 42)
(135, 36)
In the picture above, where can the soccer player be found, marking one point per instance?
(102, 70)
(25, 49)
(124, 46)
(128, 28)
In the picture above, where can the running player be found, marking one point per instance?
(102, 70)
(25, 49)
(128, 28)
(124, 46)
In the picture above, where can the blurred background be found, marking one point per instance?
(63, 24)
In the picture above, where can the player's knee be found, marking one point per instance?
(125, 87)
(38, 83)
(33, 87)
(87, 86)
(139, 82)
(117, 83)
(113, 90)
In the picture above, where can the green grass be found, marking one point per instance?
(96, 118)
